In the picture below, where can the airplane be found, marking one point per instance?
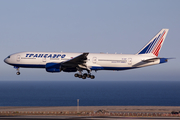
(72, 62)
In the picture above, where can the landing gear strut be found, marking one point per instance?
(17, 68)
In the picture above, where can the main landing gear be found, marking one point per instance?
(84, 76)
(17, 68)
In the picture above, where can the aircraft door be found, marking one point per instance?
(18, 58)
(94, 60)
(129, 61)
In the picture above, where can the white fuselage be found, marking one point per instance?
(94, 61)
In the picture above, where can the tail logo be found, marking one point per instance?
(158, 45)
(154, 45)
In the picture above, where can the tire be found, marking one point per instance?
(76, 75)
(85, 74)
(18, 73)
(83, 77)
(89, 76)
(80, 76)
(92, 76)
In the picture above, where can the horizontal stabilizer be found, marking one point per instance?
(162, 60)
(151, 60)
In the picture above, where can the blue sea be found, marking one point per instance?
(90, 93)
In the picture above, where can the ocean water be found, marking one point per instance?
(90, 93)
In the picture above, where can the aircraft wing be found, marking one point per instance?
(79, 60)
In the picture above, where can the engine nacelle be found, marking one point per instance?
(53, 67)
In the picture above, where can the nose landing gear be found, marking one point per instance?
(17, 68)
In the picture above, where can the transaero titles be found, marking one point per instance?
(46, 55)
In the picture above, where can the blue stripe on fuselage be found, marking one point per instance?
(92, 68)
(28, 65)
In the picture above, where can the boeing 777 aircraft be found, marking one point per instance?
(73, 62)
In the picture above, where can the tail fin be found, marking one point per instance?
(155, 44)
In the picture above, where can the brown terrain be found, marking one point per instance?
(165, 109)
(93, 110)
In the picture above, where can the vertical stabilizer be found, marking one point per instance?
(155, 44)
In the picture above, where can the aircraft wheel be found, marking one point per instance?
(85, 74)
(83, 77)
(18, 73)
(89, 76)
(92, 76)
(80, 76)
(76, 75)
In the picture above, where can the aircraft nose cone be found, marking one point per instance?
(5, 60)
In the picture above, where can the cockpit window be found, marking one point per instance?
(8, 57)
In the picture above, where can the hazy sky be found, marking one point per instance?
(122, 26)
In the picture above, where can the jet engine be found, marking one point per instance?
(53, 67)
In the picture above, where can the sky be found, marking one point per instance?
(121, 26)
